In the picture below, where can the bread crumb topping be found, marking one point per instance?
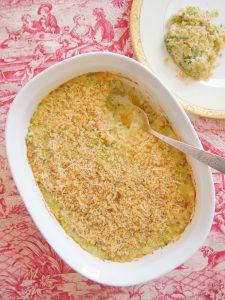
(120, 193)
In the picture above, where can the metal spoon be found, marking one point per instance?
(212, 160)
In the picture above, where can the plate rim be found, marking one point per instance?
(135, 15)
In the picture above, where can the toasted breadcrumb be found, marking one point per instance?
(119, 192)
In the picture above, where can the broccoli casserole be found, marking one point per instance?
(194, 42)
(118, 191)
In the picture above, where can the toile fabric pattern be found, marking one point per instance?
(34, 35)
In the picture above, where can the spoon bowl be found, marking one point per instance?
(139, 119)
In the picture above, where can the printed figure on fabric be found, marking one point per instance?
(81, 32)
(103, 30)
(47, 21)
(29, 26)
(123, 22)
(215, 258)
(219, 218)
(39, 59)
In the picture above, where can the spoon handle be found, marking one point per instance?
(212, 160)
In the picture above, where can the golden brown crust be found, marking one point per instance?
(112, 189)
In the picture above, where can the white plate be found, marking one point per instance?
(111, 273)
(201, 97)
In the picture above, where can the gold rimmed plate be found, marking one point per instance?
(148, 25)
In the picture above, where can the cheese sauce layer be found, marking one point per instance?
(118, 191)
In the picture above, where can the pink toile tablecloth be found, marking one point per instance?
(34, 36)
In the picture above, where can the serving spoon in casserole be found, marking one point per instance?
(137, 117)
